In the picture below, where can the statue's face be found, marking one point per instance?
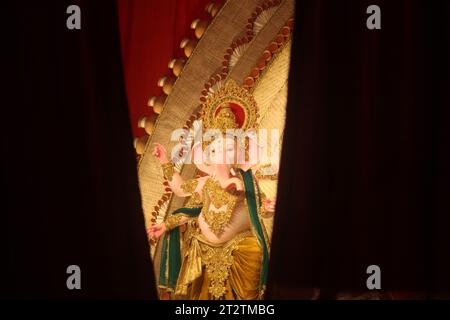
(222, 151)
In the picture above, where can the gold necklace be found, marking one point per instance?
(215, 195)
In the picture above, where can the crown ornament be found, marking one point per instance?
(225, 119)
(230, 107)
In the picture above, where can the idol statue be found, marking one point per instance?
(216, 245)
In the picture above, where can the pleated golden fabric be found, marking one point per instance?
(228, 271)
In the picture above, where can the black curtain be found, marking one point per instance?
(69, 176)
(365, 172)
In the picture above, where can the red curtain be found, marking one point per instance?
(150, 33)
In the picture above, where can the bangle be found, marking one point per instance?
(172, 222)
(168, 170)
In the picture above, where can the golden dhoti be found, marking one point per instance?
(229, 270)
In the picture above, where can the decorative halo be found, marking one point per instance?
(238, 99)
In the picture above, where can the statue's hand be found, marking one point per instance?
(160, 153)
(156, 230)
(269, 205)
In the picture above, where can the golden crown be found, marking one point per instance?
(225, 119)
(230, 107)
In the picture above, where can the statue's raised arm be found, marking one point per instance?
(176, 182)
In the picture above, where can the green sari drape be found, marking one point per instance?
(171, 253)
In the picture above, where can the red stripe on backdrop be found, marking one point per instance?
(150, 32)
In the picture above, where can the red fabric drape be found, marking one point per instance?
(150, 32)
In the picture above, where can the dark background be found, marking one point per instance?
(69, 167)
(365, 165)
(365, 172)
